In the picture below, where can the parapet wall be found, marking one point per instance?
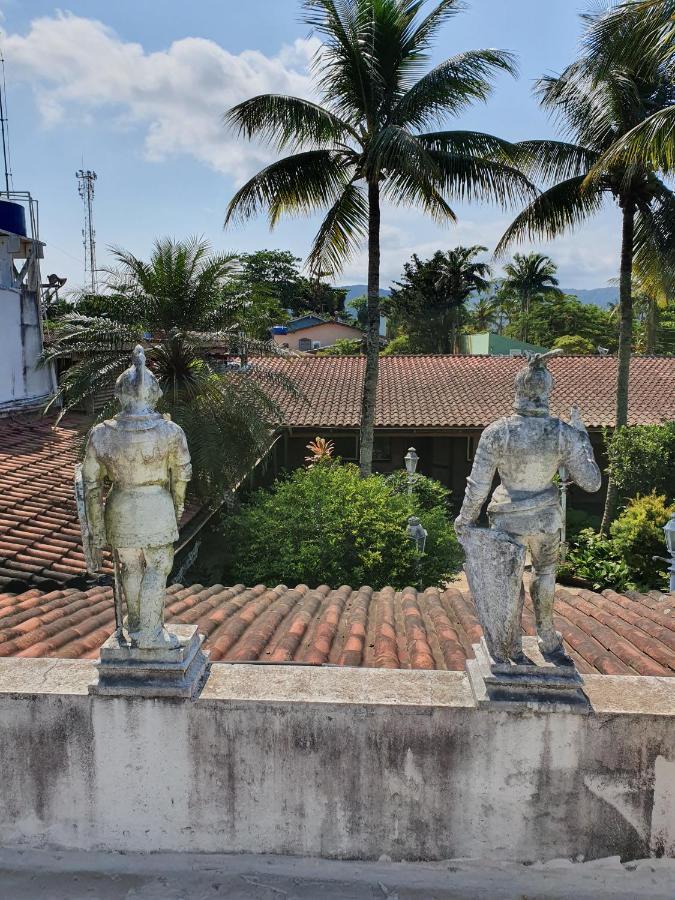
(335, 763)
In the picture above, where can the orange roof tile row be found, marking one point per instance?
(606, 633)
(467, 391)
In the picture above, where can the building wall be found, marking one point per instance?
(327, 333)
(334, 762)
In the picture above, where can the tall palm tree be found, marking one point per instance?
(460, 276)
(177, 305)
(598, 104)
(529, 278)
(485, 313)
(366, 141)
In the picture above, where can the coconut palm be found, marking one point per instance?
(367, 141)
(529, 278)
(460, 276)
(176, 304)
(485, 313)
(597, 105)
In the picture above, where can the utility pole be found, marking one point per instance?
(85, 187)
(4, 127)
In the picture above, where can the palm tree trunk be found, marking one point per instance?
(625, 344)
(367, 433)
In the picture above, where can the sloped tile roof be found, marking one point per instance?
(607, 633)
(467, 391)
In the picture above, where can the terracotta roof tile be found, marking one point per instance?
(467, 391)
(607, 633)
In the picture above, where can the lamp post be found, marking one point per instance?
(669, 533)
(418, 535)
(411, 459)
(564, 486)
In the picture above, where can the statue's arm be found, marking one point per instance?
(93, 480)
(579, 460)
(479, 482)
(180, 469)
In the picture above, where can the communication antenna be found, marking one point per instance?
(4, 127)
(85, 187)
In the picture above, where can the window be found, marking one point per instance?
(316, 345)
(382, 449)
(304, 344)
(346, 446)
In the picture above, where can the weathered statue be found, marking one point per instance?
(143, 458)
(527, 449)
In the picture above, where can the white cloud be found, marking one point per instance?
(79, 66)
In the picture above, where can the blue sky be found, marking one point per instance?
(135, 90)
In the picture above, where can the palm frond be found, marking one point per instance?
(560, 208)
(297, 184)
(288, 122)
(651, 143)
(343, 227)
(472, 178)
(468, 143)
(550, 160)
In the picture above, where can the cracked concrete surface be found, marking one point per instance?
(27, 875)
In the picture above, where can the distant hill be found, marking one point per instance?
(358, 290)
(598, 296)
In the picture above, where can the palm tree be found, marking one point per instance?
(529, 278)
(366, 142)
(176, 305)
(485, 313)
(460, 276)
(598, 104)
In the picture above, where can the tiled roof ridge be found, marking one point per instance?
(607, 633)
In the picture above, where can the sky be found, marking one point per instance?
(136, 90)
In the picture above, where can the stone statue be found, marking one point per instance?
(527, 449)
(143, 458)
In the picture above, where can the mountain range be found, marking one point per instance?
(598, 296)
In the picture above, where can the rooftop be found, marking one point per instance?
(311, 321)
(467, 391)
(608, 633)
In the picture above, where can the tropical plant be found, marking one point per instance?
(484, 314)
(552, 318)
(599, 99)
(594, 560)
(397, 345)
(343, 347)
(338, 528)
(177, 306)
(637, 534)
(428, 302)
(320, 451)
(574, 344)
(641, 458)
(366, 142)
(529, 278)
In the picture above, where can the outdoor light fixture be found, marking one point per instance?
(411, 459)
(417, 534)
(669, 533)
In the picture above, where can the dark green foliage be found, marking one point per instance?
(429, 301)
(637, 535)
(642, 459)
(326, 525)
(551, 318)
(597, 562)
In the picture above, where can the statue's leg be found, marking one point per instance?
(158, 562)
(131, 566)
(545, 549)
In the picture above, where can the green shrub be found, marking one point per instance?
(638, 536)
(578, 520)
(595, 560)
(642, 459)
(326, 525)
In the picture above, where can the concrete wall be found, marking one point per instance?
(336, 763)
(327, 333)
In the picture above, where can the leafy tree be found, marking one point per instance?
(343, 347)
(366, 142)
(552, 318)
(600, 99)
(637, 535)
(428, 302)
(484, 314)
(641, 459)
(399, 344)
(574, 344)
(529, 278)
(339, 528)
(175, 304)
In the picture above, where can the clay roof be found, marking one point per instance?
(467, 391)
(40, 539)
(608, 633)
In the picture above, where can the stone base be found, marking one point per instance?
(541, 685)
(126, 671)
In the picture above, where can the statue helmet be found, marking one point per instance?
(534, 384)
(137, 389)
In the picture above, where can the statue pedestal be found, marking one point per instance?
(541, 685)
(126, 671)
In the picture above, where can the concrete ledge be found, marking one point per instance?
(334, 762)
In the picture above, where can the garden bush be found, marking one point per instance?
(326, 525)
(596, 561)
(642, 459)
(637, 535)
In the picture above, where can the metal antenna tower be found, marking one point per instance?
(85, 187)
(4, 127)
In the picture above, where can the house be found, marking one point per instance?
(441, 404)
(314, 333)
(487, 343)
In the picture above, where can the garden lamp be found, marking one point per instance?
(417, 534)
(411, 459)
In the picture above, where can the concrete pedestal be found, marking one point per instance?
(541, 685)
(126, 671)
